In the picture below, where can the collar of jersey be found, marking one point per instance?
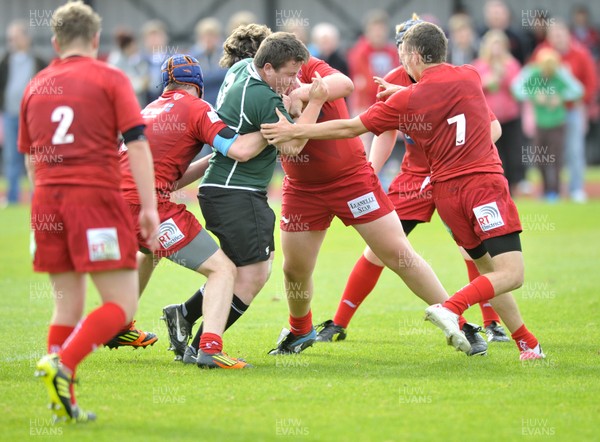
(253, 72)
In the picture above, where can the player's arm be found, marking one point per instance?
(283, 131)
(239, 147)
(142, 169)
(318, 96)
(381, 149)
(194, 172)
(30, 169)
(496, 130)
(338, 85)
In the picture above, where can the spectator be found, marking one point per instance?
(128, 58)
(497, 16)
(372, 55)
(240, 18)
(17, 67)
(584, 32)
(155, 52)
(498, 68)
(462, 41)
(579, 61)
(209, 50)
(548, 85)
(326, 41)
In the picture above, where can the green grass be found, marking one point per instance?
(393, 379)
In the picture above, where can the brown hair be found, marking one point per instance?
(279, 48)
(428, 40)
(243, 42)
(75, 20)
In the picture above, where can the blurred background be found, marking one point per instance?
(503, 39)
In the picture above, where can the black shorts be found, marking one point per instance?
(242, 220)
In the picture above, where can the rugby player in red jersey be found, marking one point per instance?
(469, 190)
(411, 193)
(312, 179)
(179, 123)
(71, 115)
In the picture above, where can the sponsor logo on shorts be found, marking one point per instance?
(363, 204)
(103, 244)
(488, 216)
(169, 233)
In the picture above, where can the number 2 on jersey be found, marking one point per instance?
(63, 115)
(461, 124)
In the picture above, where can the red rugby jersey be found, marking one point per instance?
(323, 161)
(177, 126)
(446, 114)
(71, 116)
(414, 160)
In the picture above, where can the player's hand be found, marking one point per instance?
(318, 91)
(149, 222)
(295, 84)
(280, 132)
(296, 106)
(385, 88)
(287, 102)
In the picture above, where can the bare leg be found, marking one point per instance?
(146, 264)
(394, 250)
(251, 279)
(69, 297)
(505, 303)
(300, 251)
(218, 293)
(119, 287)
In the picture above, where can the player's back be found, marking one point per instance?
(72, 118)
(177, 126)
(449, 119)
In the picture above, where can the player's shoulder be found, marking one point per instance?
(398, 76)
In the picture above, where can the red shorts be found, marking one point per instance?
(81, 229)
(177, 229)
(355, 199)
(476, 207)
(412, 196)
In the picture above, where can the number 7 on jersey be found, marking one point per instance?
(461, 125)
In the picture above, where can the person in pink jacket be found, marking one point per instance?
(498, 68)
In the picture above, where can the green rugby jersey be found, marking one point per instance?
(245, 101)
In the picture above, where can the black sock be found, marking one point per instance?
(238, 308)
(192, 308)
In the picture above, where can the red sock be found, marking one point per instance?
(96, 328)
(57, 335)
(211, 343)
(461, 321)
(488, 313)
(471, 270)
(478, 290)
(360, 283)
(301, 326)
(524, 338)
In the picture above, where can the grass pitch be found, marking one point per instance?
(393, 379)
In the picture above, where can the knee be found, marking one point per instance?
(295, 272)
(219, 265)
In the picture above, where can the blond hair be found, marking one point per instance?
(75, 21)
(488, 40)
